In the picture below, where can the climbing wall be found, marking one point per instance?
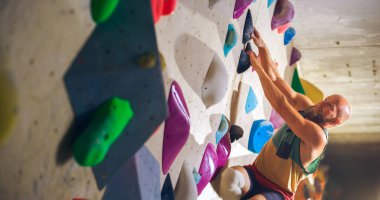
(55, 55)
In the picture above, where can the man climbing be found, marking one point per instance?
(295, 150)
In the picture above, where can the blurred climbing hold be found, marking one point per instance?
(223, 151)
(276, 119)
(108, 122)
(222, 129)
(231, 39)
(312, 91)
(240, 6)
(196, 176)
(295, 56)
(186, 187)
(261, 132)
(167, 192)
(101, 10)
(283, 13)
(296, 83)
(251, 101)
(283, 28)
(207, 167)
(162, 61)
(147, 60)
(289, 35)
(8, 105)
(244, 62)
(270, 2)
(236, 132)
(177, 127)
(248, 27)
(162, 7)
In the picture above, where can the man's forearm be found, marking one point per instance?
(267, 63)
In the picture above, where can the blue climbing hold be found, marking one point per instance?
(251, 102)
(270, 2)
(197, 176)
(231, 39)
(244, 62)
(248, 27)
(222, 130)
(261, 132)
(289, 35)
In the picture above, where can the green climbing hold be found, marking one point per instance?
(147, 60)
(105, 127)
(296, 83)
(101, 10)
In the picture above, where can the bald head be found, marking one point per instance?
(343, 107)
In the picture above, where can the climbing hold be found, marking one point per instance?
(223, 151)
(162, 61)
(295, 56)
(177, 127)
(251, 102)
(231, 39)
(167, 192)
(101, 10)
(261, 132)
(196, 176)
(276, 119)
(240, 6)
(244, 62)
(282, 28)
(312, 91)
(236, 132)
(222, 130)
(147, 60)
(215, 85)
(207, 167)
(296, 83)
(248, 27)
(162, 7)
(270, 2)
(289, 35)
(105, 127)
(283, 13)
(186, 187)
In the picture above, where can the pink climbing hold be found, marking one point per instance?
(208, 167)
(162, 7)
(240, 6)
(295, 56)
(223, 151)
(276, 119)
(283, 13)
(283, 28)
(177, 127)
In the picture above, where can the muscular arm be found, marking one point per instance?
(306, 130)
(297, 100)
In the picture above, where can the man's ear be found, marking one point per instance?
(336, 121)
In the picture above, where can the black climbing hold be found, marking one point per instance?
(236, 132)
(248, 27)
(167, 192)
(244, 62)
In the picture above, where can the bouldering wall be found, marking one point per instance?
(63, 66)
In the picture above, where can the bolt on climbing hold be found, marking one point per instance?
(147, 60)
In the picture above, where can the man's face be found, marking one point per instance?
(328, 109)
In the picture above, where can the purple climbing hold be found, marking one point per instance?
(283, 13)
(177, 127)
(207, 167)
(276, 119)
(295, 56)
(240, 6)
(223, 151)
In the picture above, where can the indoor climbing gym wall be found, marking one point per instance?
(122, 99)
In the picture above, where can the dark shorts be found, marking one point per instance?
(256, 189)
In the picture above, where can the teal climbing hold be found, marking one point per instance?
(289, 35)
(105, 127)
(261, 132)
(231, 39)
(251, 102)
(270, 2)
(222, 129)
(101, 10)
(197, 176)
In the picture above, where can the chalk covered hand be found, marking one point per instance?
(254, 60)
(256, 37)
